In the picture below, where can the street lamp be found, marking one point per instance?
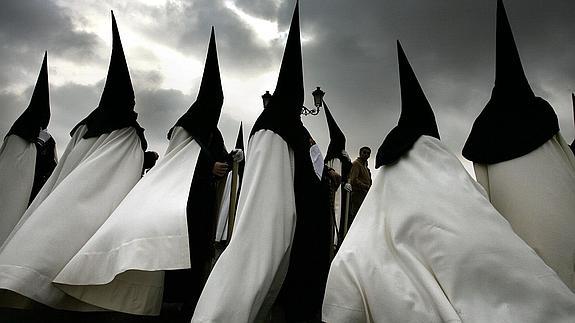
(266, 98)
(317, 102)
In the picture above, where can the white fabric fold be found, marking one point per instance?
(536, 194)
(248, 275)
(427, 246)
(88, 183)
(17, 162)
(121, 266)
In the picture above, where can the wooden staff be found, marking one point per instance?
(233, 200)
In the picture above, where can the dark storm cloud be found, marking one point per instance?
(351, 54)
(450, 45)
(185, 26)
(27, 28)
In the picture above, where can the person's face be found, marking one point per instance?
(364, 154)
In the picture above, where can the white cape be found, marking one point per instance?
(17, 163)
(248, 275)
(536, 194)
(88, 183)
(121, 266)
(427, 246)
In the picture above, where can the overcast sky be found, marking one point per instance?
(348, 50)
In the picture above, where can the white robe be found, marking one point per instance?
(427, 246)
(90, 180)
(121, 266)
(17, 167)
(248, 275)
(536, 194)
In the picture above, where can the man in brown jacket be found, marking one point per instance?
(360, 181)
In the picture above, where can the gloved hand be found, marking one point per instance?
(43, 137)
(237, 155)
(347, 187)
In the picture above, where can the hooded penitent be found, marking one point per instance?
(26, 158)
(121, 267)
(427, 246)
(523, 162)
(92, 177)
(223, 214)
(270, 245)
(336, 159)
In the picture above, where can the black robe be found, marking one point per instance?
(186, 285)
(302, 291)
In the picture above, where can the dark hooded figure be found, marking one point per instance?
(100, 165)
(523, 162)
(427, 246)
(27, 156)
(213, 164)
(280, 248)
(338, 159)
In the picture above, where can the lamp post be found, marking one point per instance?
(317, 101)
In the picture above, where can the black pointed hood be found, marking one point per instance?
(514, 122)
(203, 116)
(283, 112)
(118, 91)
(240, 138)
(289, 90)
(336, 137)
(416, 119)
(116, 107)
(37, 115)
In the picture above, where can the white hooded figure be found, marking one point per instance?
(122, 266)
(227, 201)
(427, 246)
(27, 156)
(100, 165)
(523, 162)
(270, 260)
